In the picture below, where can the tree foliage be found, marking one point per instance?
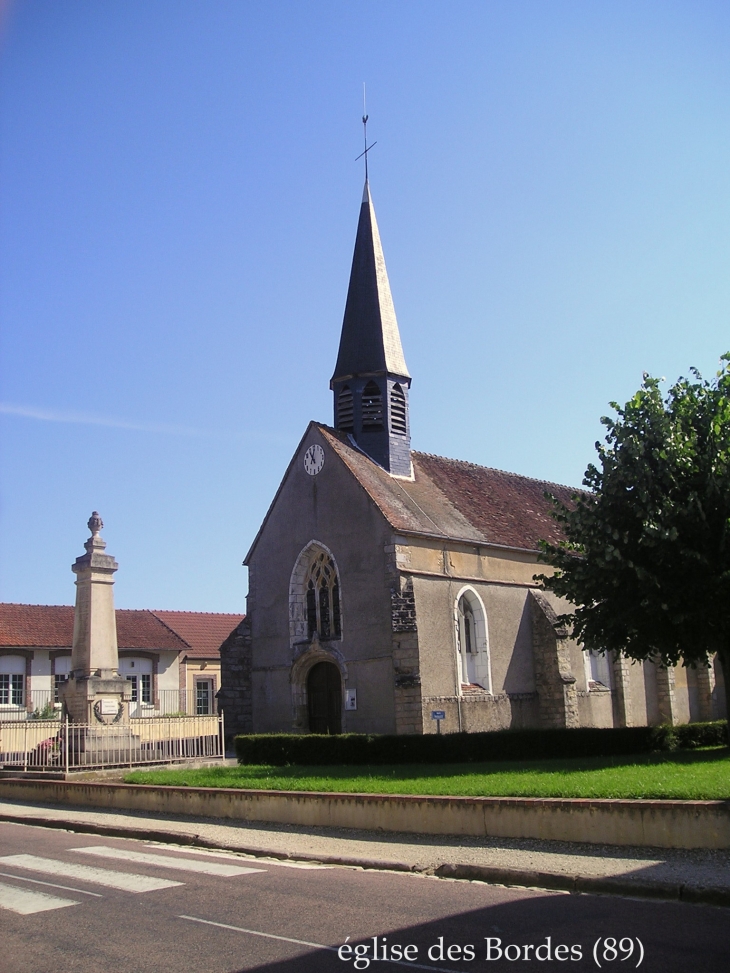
(646, 555)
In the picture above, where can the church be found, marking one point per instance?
(392, 591)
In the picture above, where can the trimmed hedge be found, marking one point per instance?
(280, 749)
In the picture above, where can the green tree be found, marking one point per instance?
(646, 555)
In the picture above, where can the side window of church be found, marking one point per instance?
(398, 410)
(467, 631)
(372, 407)
(323, 599)
(599, 669)
(345, 416)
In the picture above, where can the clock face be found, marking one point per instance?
(314, 460)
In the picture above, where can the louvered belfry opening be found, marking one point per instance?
(398, 423)
(372, 407)
(345, 410)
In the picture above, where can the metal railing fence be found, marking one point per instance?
(42, 704)
(58, 745)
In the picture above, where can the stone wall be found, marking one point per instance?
(406, 660)
(554, 679)
(234, 697)
(481, 712)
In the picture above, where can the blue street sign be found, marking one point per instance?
(438, 714)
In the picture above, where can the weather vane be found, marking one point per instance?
(365, 132)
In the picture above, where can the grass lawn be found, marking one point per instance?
(683, 775)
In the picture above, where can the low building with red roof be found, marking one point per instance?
(172, 658)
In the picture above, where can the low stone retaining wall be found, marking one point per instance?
(660, 824)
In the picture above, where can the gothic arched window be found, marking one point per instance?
(323, 598)
(372, 407)
(345, 415)
(471, 642)
(398, 410)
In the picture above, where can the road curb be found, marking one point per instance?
(490, 874)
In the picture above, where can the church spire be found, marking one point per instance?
(371, 379)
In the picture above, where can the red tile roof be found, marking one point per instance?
(457, 500)
(204, 632)
(51, 626)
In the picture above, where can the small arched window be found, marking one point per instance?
(345, 416)
(471, 643)
(372, 407)
(398, 410)
(323, 599)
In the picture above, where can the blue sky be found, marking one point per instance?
(178, 202)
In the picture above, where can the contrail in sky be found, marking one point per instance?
(110, 422)
(87, 419)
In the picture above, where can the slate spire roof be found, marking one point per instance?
(370, 340)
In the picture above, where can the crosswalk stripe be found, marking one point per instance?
(51, 885)
(165, 861)
(126, 881)
(25, 902)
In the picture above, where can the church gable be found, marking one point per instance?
(314, 499)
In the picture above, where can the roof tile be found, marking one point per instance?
(51, 626)
(456, 499)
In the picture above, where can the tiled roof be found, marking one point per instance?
(204, 632)
(51, 626)
(457, 500)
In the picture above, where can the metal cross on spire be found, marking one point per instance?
(365, 133)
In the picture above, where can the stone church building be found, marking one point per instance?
(387, 584)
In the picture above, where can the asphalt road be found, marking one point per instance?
(82, 903)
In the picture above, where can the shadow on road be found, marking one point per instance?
(676, 938)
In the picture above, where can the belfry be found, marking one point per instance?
(371, 380)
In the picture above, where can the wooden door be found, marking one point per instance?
(324, 693)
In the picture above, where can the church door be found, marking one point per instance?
(324, 691)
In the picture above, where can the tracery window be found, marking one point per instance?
(398, 410)
(345, 415)
(372, 407)
(323, 599)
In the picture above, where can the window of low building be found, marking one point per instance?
(139, 673)
(203, 697)
(12, 680)
(61, 670)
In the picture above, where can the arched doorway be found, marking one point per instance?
(324, 695)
